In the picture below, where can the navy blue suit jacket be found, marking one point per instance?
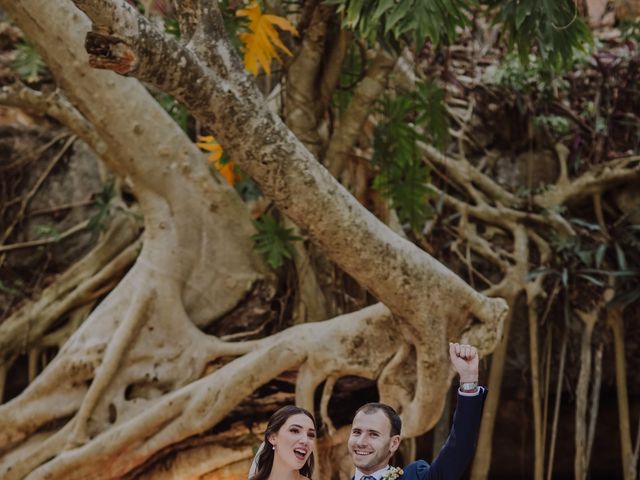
(457, 452)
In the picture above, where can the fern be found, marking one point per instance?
(273, 241)
(402, 176)
(28, 64)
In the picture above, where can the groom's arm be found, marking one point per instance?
(458, 450)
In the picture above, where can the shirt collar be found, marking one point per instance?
(377, 474)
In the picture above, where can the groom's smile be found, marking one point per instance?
(370, 442)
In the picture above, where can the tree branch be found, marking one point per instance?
(285, 170)
(29, 323)
(464, 173)
(355, 344)
(56, 105)
(300, 110)
(596, 180)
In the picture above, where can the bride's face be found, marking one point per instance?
(294, 441)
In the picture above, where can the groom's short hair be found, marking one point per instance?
(390, 413)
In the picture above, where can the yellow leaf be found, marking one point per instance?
(227, 172)
(262, 40)
(209, 144)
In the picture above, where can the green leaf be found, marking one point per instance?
(541, 271)
(381, 9)
(273, 241)
(626, 298)
(591, 279)
(602, 249)
(622, 261)
(398, 13)
(393, 22)
(9, 290)
(28, 64)
(624, 273)
(47, 231)
(432, 112)
(585, 256)
(554, 27)
(175, 109)
(523, 10)
(103, 199)
(401, 174)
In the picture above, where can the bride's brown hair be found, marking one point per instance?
(265, 457)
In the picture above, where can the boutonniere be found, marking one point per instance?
(392, 473)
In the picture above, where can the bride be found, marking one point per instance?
(287, 450)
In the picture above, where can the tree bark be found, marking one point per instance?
(616, 324)
(582, 395)
(133, 380)
(415, 286)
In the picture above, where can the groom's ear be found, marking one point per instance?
(394, 444)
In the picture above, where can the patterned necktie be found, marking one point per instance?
(368, 477)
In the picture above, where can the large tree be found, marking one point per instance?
(133, 379)
(143, 377)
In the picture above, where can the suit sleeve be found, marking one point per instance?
(458, 450)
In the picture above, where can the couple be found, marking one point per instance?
(287, 453)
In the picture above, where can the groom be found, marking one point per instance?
(375, 431)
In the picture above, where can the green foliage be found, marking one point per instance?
(233, 24)
(103, 203)
(627, 253)
(172, 27)
(534, 77)
(28, 64)
(588, 259)
(552, 26)
(245, 186)
(351, 73)
(556, 124)
(630, 29)
(10, 290)
(432, 116)
(47, 231)
(402, 176)
(390, 21)
(175, 109)
(273, 240)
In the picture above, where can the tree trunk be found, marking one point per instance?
(616, 324)
(582, 395)
(139, 377)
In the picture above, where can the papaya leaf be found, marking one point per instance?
(261, 42)
(392, 22)
(217, 158)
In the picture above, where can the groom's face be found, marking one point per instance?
(370, 442)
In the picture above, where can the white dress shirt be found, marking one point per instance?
(477, 392)
(377, 474)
